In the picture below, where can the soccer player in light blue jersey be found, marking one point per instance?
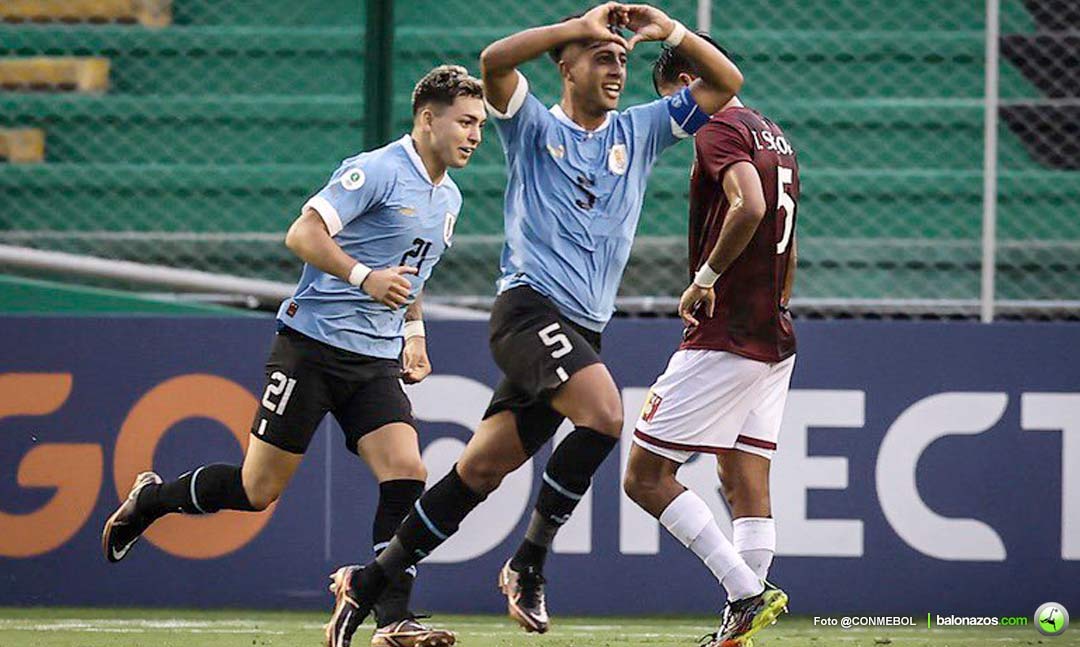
(348, 337)
(577, 176)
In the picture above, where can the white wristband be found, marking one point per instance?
(358, 273)
(414, 329)
(676, 36)
(706, 276)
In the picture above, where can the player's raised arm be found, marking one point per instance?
(719, 80)
(309, 238)
(499, 60)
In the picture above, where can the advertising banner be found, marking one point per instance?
(922, 467)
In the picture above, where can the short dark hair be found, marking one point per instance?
(556, 52)
(672, 63)
(444, 84)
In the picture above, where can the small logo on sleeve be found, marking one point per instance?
(291, 310)
(618, 159)
(353, 179)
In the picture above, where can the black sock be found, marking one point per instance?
(432, 520)
(529, 554)
(370, 580)
(207, 489)
(567, 477)
(396, 498)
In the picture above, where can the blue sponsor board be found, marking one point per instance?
(922, 467)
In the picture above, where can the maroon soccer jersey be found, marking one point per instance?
(748, 319)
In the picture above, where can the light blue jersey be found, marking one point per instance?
(573, 197)
(382, 208)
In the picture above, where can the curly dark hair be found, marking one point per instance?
(442, 85)
(672, 63)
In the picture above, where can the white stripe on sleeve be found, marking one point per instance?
(327, 212)
(516, 100)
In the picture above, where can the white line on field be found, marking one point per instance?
(135, 630)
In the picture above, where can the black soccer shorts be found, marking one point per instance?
(538, 350)
(306, 378)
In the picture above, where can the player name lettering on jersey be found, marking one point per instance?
(765, 140)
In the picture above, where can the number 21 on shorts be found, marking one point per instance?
(280, 386)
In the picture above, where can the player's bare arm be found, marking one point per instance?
(789, 275)
(415, 311)
(742, 185)
(499, 60)
(720, 79)
(310, 240)
(414, 358)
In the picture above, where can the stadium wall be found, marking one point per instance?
(922, 467)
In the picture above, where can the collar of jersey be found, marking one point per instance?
(561, 116)
(410, 150)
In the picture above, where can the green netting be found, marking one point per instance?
(216, 128)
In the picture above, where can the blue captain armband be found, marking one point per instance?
(686, 117)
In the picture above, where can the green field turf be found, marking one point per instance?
(174, 628)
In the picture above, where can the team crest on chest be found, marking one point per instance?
(448, 228)
(618, 159)
(353, 179)
(558, 152)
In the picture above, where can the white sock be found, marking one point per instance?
(692, 523)
(755, 539)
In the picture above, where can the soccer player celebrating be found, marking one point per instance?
(577, 174)
(347, 338)
(724, 390)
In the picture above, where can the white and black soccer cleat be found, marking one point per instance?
(410, 632)
(353, 601)
(125, 526)
(525, 599)
(346, 618)
(745, 618)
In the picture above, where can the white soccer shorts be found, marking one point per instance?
(709, 401)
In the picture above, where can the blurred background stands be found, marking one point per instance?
(188, 133)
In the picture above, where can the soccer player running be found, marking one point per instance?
(348, 337)
(724, 390)
(577, 175)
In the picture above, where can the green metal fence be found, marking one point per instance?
(215, 128)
